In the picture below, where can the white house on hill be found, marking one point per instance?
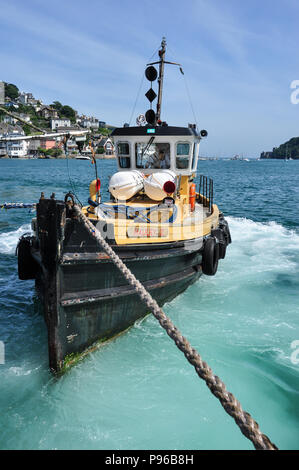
(13, 148)
(55, 123)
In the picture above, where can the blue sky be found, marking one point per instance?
(239, 59)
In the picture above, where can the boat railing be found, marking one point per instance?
(206, 192)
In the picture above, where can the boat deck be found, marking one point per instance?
(148, 222)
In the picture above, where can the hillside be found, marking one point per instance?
(289, 149)
(39, 114)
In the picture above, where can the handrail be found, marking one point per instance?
(206, 192)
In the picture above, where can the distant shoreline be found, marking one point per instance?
(61, 157)
(113, 157)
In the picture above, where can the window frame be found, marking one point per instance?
(185, 156)
(136, 143)
(122, 155)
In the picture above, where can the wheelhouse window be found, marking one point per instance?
(182, 155)
(152, 155)
(123, 152)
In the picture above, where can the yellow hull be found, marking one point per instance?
(186, 226)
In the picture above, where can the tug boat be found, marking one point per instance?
(167, 232)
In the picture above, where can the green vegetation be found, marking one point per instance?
(69, 361)
(56, 105)
(27, 129)
(11, 91)
(37, 120)
(64, 111)
(104, 131)
(73, 358)
(54, 152)
(289, 149)
(68, 112)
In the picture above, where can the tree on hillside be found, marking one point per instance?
(27, 129)
(56, 105)
(11, 91)
(68, 112)
(104, 131)
(288, 149)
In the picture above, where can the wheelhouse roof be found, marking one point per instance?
(158, 131)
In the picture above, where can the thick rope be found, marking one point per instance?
(247, 425)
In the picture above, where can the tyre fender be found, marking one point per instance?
(223, 225)
(27, 266)
(210, 256)
(221, 240)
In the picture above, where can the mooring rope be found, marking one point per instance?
(246, 423)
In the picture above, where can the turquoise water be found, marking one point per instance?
(138, 391)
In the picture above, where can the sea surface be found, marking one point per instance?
(138, 391)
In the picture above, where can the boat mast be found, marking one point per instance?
(161, 63)
(161, 76)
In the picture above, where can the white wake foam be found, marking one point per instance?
(9, 240)
(267, 244)
(262, 247)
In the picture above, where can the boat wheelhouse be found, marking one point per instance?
(135, 147)
(153, 191)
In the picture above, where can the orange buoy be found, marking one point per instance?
(192, 196)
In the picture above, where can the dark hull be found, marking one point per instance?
(85, 298)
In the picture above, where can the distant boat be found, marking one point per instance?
(82, 157)
(286, 158)
(237, 157)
